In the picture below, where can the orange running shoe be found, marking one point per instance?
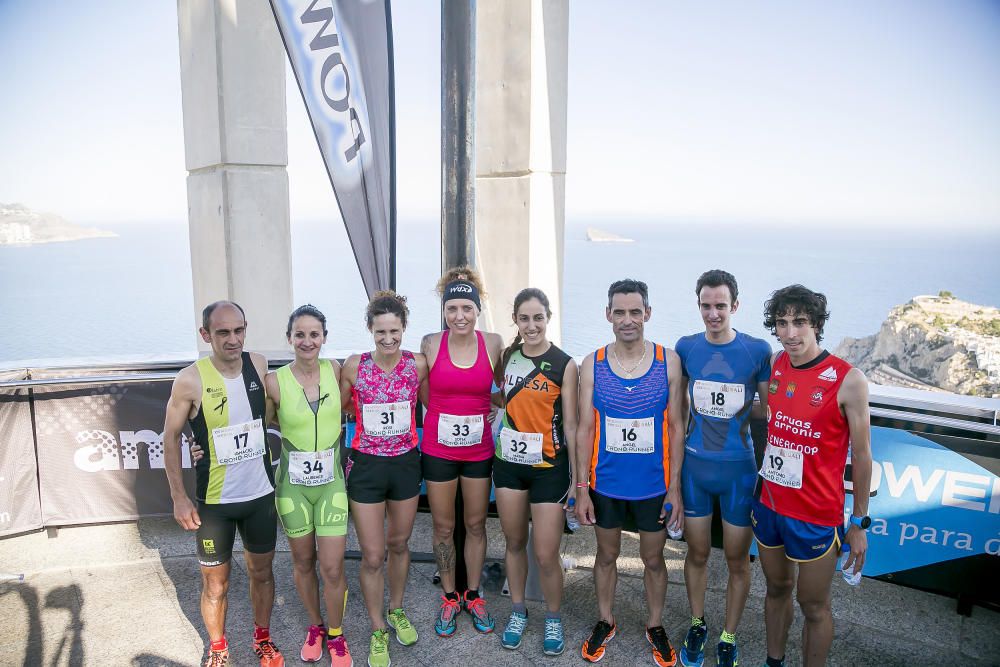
(663, 652)
(593, 647)
(312, 649)
(217, 658)
(268, 653)
(340, 656)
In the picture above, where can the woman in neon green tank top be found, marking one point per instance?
(310, 494)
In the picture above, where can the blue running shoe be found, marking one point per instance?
(481, 619)
(727, 655)
(553, 643)
(445, 625)
(514, 631)
(693, 650)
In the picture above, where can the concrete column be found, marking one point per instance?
(521, 72)
(236, 154)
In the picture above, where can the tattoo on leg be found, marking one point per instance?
(444, 554)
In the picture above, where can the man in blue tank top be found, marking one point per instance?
(722, 370)
(629, 450)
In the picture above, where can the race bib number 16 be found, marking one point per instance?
(629, 436)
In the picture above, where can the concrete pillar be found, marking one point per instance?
(521, 72)
(236, 154)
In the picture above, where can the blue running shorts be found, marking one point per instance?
(732, 482)
(803, 541)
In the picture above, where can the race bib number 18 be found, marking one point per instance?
(718, 399)
(239, 442)
(629, 436)
(458, 431)
(782, 466)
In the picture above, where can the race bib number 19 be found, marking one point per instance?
(718, 399)
(782, 466)
(239, 442)
(457, 431)
(629, 436)
(311, 468)
(386, 419)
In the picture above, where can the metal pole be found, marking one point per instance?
(458, 173)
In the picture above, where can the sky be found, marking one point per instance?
(854, 113)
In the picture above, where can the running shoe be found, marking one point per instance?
(593, 647)
(663, 652)
(312, 649)
(378, 649)
(339, 655)
(444, 626)
(217, 658)
(481, 619)
(268, 653)
(693, 649)
(514, 632)
(727, 655)
(553, 643)
(406, 634)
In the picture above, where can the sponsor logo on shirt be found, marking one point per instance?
(254, 386)
(790, 391)
(830, 374)
(773, 387)
(816, 396)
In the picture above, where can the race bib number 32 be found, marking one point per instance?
(386, 419)
(629, 436)
(782, 466)
(517, 447)
(239, 442)
(457, 431)
(717, 399)
(311, 468)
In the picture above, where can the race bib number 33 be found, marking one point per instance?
(629, 436)
(239, 442)
(458, 431)
(717, 399)
(311, 468)
(782, 466)
(386, 419)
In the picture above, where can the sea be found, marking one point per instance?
(129, 299)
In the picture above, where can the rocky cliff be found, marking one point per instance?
(933, 342)
(19, 225)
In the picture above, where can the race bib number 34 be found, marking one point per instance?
(311, 468)
(239, 442)
(517, 447)
(386, 419)
(629, 436)
(718, 399)
(782, 466)
(457, 431)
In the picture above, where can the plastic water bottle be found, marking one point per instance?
(850, 576)
(673, 531)
(571, 521)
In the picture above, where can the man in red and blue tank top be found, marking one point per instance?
(817, 408)
(630, 443)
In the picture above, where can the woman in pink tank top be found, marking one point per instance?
(457, 442)
(384, 472)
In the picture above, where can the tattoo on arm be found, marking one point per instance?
(444, 554)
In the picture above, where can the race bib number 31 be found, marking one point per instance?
(718, 399)
(517, 447)
(782, 466)
(456, 431)
(629, 436)
(239, 442)
(311, 468)
(386, 419)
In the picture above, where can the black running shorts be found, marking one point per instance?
(375, 479)
(643, 515)
(256, 520)
(445, 470)
(544, 485)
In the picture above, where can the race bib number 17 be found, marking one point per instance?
(239, 442)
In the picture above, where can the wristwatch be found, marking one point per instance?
(862, 522)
